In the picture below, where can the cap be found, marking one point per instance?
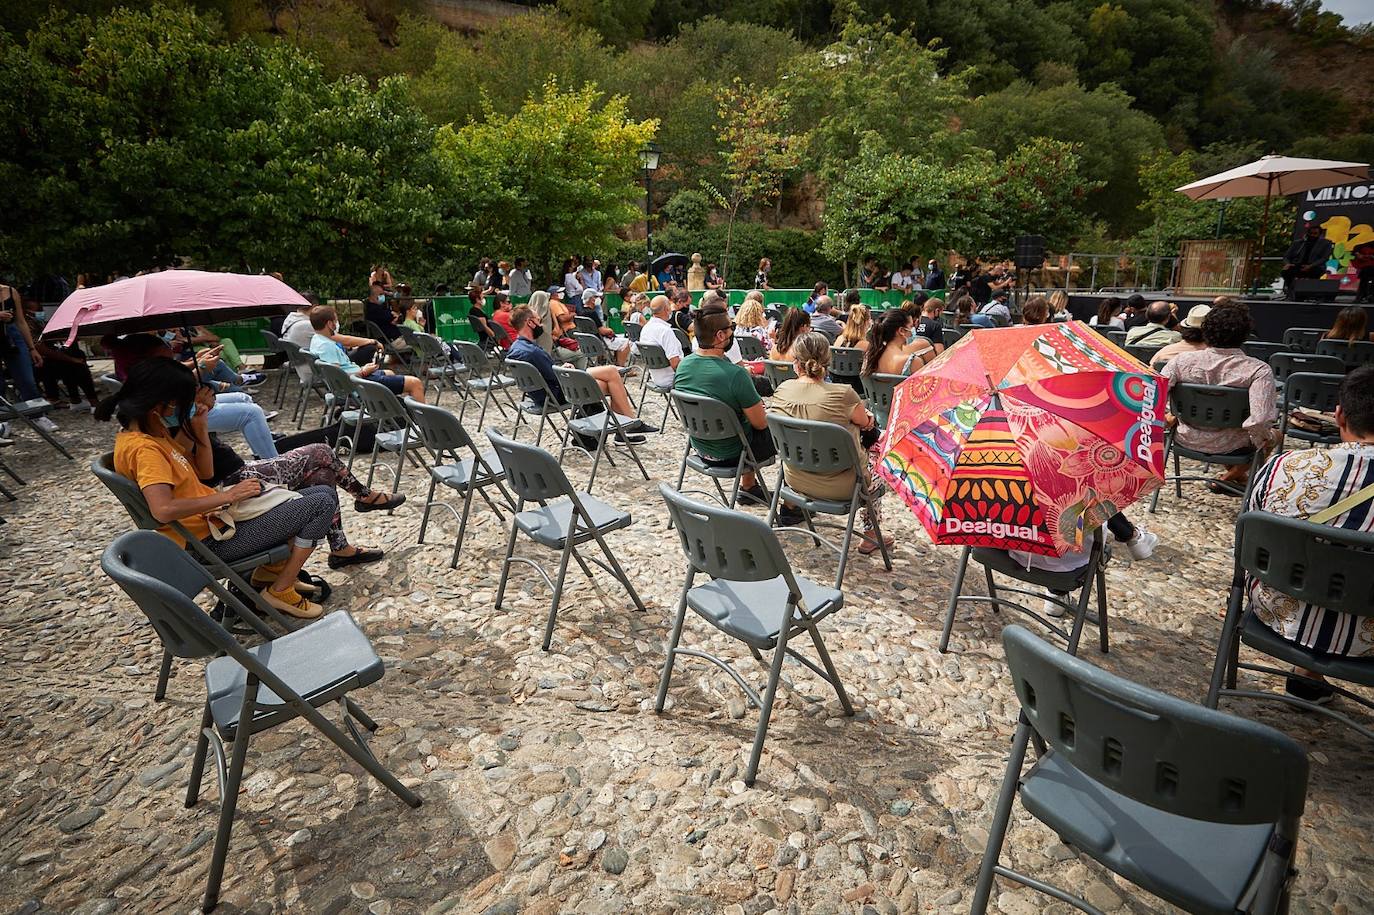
(590, 294)
(1195, 315)
(554, 290)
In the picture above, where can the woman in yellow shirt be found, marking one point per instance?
(164, 447)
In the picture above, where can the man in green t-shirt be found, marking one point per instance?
(707, 372)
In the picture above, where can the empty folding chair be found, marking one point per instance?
(274, 346)
(469, 472)
(598, 353)
(1115, 335)
(821, 448)
(1353, 353)
(1055, 587)
(951, 336)
(846, 362)
(1206, 406)
(752, 595)
(707, 419)
(751, 348)
(303, 363)
(1199, 808)
(878, 389)
(1261, 350)
(485, 378)
(436, 368)
(1310, 563)
(653, 357)
(1144, 354)
(777, 371)
(1289, 363)
(1303, 339)
(1313, 392)
(531, 382)
(26, 411)
(593, 419)
(248, 690)
(564, 520)
(395, 431)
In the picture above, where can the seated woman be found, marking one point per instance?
(1059, 306)
(752, 321)
(164, 447)
(1108, 315)
(1036, 311)
(963, 309)
(854, 335)
(1223, 362)
(795, 322)
(1351, 325)
(810, 396)
(889, 353)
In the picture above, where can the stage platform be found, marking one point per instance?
(1272, 316)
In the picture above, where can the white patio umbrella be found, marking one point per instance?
(1270, 175)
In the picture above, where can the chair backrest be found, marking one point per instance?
(846, 361)
(593, 346)
(1116, 335)
(1163, 752)
(653, 356)
(683, 339)
(273, 342)
(440, 431)
(474, 357)
(750, 347)
(428, 347)
(528, 379)
(126, 491)
(337, 382)
(1288, 363)
(951, 335)
(965, 328)
(579, 388)
(584, 325)
(878, 390)
(1312, 391)
(632, 331)
(1354, 353)
(1303, 339)
(533, 473)
(707, 419)
(1210, 406)
(301, 359)
(778, 371)
(1142, 353)
(382, 405)
(1261, 350)
(376, 333)
(163, 580)
(1318, 564)
(813, 445)
(727, 544)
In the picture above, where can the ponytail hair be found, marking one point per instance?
(811, 353)
(150, 384)
(884, 332)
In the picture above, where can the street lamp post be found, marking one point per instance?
(1221, 214)
(648, 160)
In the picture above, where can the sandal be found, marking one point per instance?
(1223, 489)
(870, 545)
(357, 557)
(391, 501)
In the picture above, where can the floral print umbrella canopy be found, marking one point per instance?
(1025, 438)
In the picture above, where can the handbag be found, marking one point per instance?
(224, 523)
(568, 343)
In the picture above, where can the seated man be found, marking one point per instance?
(298, 330)
(527, 349)
(1306, 258)
(1299, 484)
(378, 311)
(590, 309)
(1223, 362)
(658, 332)
(709, 373)
(995, 313)
(325, 321)
(1158, 329)
(823, 320)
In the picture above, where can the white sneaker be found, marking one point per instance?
(1142, 545)
(4, 430)
(45, 424)
(1052, 609)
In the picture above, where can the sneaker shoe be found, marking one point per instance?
(1142, 545)
(251, 379)
(292, 603)
(4, 430)
(271, 415)
(79, 407)
(45, 424)
(1308, 691)
(1053, 609)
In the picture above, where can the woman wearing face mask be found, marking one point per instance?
(164, 447)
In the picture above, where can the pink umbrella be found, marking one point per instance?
(172, 298)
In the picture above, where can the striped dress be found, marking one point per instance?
(1299, 484)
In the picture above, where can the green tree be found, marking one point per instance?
(1173, 218)
(619, 22)
(557, 175)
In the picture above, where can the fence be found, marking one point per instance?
(1134, 273)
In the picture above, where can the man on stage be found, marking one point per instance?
(1306, 258)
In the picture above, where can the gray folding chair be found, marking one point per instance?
(437, 368)
(1288, 363)
(133, 502)
(1199, 808)
(405, 356)
(26, 411)
(1353, 353)
(1206, 406)
(469, 472)
(632, 331)
(395, 431)
(564, 520)
(1115, 335)
(1317, 564)
(1308, 391)
(593, 418)
(248, 690)
(1261, 350)
(302, 362)
(878, 389)
(751, 349)
(274, 346)
(530, 382)
(1049, 585)
(342, 407)
(652, 357)
(777, 371)
(951, 336)
(583, 325)
(707, 419)
(1303, 339)
(817, 447)
(1143, 354)
(485, 377)
(752, 595)
(846, 362)
(683, 338)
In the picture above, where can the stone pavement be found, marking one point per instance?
(549, 783)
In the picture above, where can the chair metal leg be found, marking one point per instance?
(229, 795)
(774, 676)
(674, 638)
(198, 761)
(619, 571)
(1080, 616)
(506, 564)
(829, 666)
(1228, 645)
(429, 503)
(1101, 609)
(462, 526)
(954, 597)
(1001, 819)
(558, 588)
(163, 675)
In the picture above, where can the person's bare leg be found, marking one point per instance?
(611, 384)
(286, 578)
(415, 388)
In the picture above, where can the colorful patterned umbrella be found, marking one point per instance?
(1025, 438)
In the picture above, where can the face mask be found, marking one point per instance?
(173, 421)
(381, 299)
(538, 332)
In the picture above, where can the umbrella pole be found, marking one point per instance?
(1264, 234)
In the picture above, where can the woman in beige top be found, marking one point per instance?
(810, 396)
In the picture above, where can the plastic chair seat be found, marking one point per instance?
(351, 417)
(494, 381)
(1001, 561)
(448, 371)
(547, 408)
(658, 388)
(391, 441)
(1196, 865)
(549, 525)
(592, 425)
(321, 662)
(698, 463)
(752, 611)
(1228, 460)
(1260, 637)
(812, 504)
(460, 474)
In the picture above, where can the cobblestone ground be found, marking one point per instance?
(549, 784)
